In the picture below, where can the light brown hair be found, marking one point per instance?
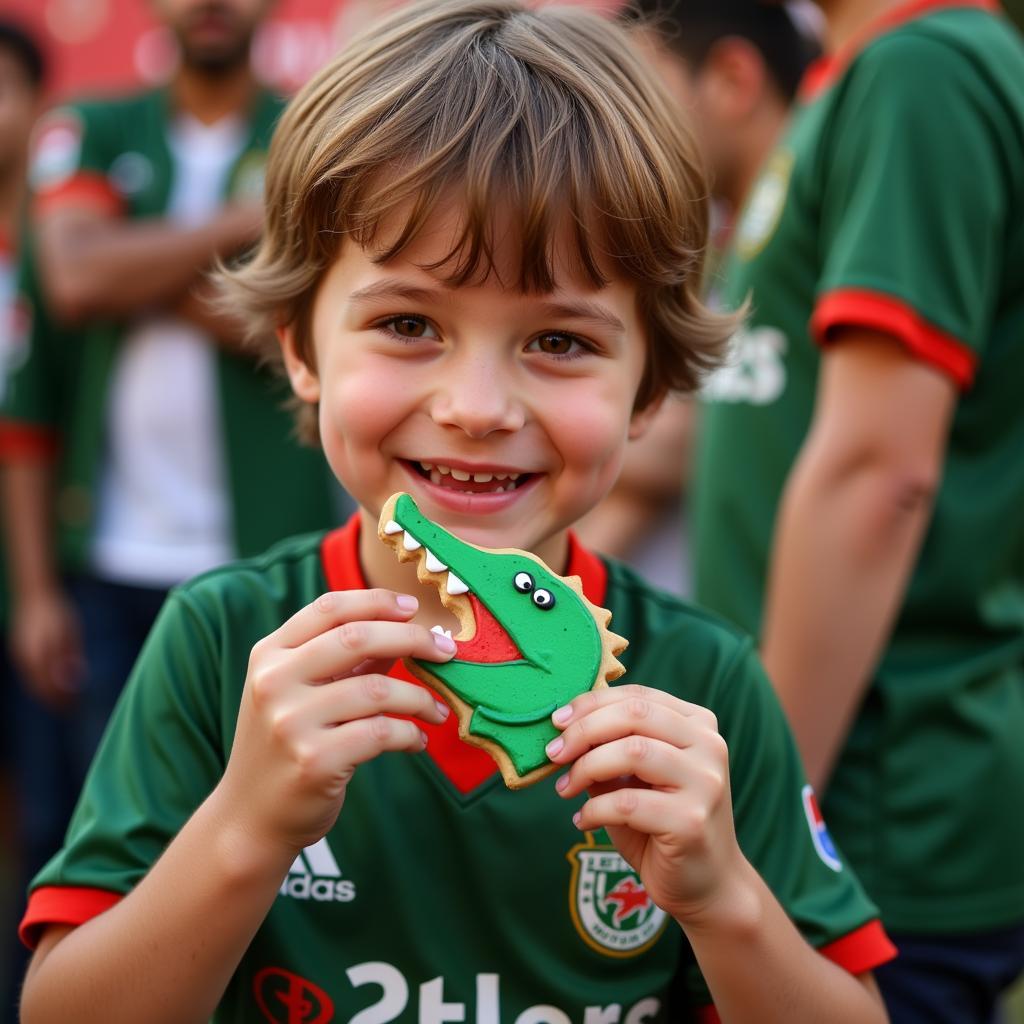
(546, 113)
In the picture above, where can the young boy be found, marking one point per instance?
(482, 255)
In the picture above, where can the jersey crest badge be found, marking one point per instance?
(762, 213)
(56, 149)
(823, 844)
(609, 905)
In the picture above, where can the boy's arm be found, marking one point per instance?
(313, 708)
(656, 771)
(850, 525)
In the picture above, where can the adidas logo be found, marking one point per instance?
(315, 875)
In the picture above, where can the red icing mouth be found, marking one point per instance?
(490, 643)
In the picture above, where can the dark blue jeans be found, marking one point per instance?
(50, 752)
(951, 979)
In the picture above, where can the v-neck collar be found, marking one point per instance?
(464, 766)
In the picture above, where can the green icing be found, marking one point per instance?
(560, 645)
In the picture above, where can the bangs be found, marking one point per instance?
(486, 127)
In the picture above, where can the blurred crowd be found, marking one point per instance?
(857, 467)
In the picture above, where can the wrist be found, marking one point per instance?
(735, 909)
(246, 856)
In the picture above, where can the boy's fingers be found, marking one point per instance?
(644, 810)
(337, 606)
(363, 696)
(594, 700)
(355, 743)
(337, 652)
(650, 761)
(632, 716)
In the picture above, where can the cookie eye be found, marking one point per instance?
(544, 599)
(523, 582)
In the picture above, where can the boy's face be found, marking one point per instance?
(504, 414)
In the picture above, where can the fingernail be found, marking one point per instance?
(423, 736)
(562, 715)
(442, 709)
(561, 783)
(406, 602)
(576, 818)
(444, 643)
(554, 746)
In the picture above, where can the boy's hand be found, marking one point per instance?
(315, 706)
(657, 773)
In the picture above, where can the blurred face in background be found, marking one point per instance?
(19, 106)
(213, 35)
(730, 91)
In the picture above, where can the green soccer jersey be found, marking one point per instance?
(113, 156)
(439, 894)
(896, 203)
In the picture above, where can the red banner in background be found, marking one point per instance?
(97, 46)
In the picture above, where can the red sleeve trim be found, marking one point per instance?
(855, 307)
(24, 441)
(862, 950)
(59, 904)
(83, 189)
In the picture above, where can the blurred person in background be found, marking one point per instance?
(860, 480)
(733, 66)
(22, 73)
(138, 435)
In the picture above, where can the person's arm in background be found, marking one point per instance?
(44, 633)
(96, 264)
(851, 521)
(654, 475)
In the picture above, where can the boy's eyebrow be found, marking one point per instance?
(582, 309)
(572, 309)
(391, 288)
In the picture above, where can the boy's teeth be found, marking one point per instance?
(435, 476)
(458, 474)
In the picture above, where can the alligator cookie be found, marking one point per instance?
(529, 641)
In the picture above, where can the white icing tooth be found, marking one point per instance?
(448, 633)
(455, 585)
(458, 474)
(483, 478)
(410, 543)
(391, 527)
(439, 629)
(433, 563)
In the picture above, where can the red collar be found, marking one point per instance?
(824, 73)
(465, 767)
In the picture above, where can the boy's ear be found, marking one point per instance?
(641, 420)
(305, 383)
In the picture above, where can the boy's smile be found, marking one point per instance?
(505, 414)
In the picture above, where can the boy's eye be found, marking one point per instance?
(556, 344)
(409, 327)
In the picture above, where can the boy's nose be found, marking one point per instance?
(478, 399)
